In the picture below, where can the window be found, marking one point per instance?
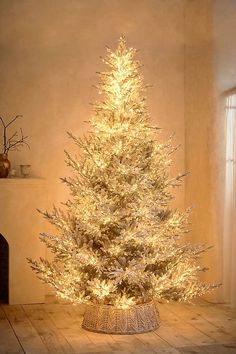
(229, 237)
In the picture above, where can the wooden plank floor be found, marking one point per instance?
(56, 328)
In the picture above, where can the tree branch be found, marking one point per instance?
(2, 122)
(14, 144)
(13, 120)
(4, 135)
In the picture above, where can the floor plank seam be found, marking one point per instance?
(13, 330)
(183, 330)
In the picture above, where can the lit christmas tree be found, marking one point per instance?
(118, 243)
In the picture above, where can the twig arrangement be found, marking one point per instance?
(15, 141)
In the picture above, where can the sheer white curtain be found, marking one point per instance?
(229, 237)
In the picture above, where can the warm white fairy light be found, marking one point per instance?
(124, 302)
(118, 240)
(101, 289)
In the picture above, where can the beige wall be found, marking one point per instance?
(224, 38)
(50, 53)
(210, 30)
(19, 223)
(199, 134)
(225, 78)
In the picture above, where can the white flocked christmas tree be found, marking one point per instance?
(118, 240)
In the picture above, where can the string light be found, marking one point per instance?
(118, 241)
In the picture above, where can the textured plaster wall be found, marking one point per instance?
(224, 37)
(200, 114)
(225, 78)
(210, 30)
(49, 55)
(19, 223)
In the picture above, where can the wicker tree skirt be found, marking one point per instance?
(108, 319)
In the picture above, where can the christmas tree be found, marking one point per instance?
(119, 241)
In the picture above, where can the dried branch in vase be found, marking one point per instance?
(16, 140)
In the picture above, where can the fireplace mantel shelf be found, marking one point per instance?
(21, 181)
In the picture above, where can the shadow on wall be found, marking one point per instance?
(4, 270)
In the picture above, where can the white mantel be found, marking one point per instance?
(20, 224)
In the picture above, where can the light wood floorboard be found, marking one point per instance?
(56, 329)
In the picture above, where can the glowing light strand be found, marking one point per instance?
(118, 241)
